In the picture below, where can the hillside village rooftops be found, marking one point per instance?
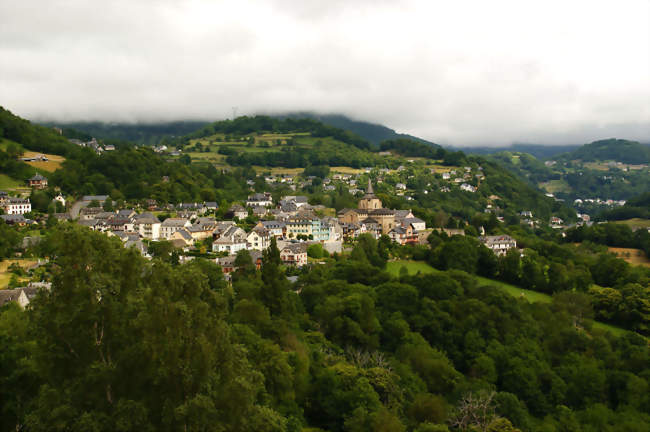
(37, 177)
(174, 222)
(100, 198)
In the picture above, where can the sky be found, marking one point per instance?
(457, 73)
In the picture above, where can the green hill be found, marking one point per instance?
(375, 133)
(619, 150)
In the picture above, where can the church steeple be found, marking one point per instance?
(369, 190)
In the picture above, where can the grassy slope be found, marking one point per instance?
(414, 267)
(7, 183)
(5, 276)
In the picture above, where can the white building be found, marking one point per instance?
(499, 244)
(13, 206)
(171, 225)
(147, 225)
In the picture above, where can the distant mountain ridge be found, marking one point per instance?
(620, 150)
(540, 151)
(373, 132)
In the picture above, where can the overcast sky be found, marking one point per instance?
(460, 73)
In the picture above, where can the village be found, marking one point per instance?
(193, 229)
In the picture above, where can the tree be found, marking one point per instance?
(276, 288)
(475, 410)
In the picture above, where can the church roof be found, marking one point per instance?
(370, 193)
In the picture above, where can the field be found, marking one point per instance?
(54, 161)
(413, 267)
(5, 276)
(555, 186)
(531, 296)
(635, 223)
(631, 256)
(8, 183)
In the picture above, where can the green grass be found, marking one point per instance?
(515, 291)
(554, 186)
(616, 331)
(8, 183)
(413, 267)
(636, 222)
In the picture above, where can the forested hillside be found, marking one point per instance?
(620, 150)
(138, 345)
(139, 133)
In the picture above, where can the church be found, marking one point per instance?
(371, 214)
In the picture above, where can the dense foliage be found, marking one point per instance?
(620, 150)
(139, 133)
(637, 207)
(137, 345)
(34, 137)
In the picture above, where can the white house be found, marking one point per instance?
(259, 199)
(171, 225)
(147, 225)
(13, 206)
(467, 188)
(499, 244)
(232, 240)
(259, 238)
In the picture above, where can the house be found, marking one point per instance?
(416, 223)
(91, 198)
(37, 182)
(232, 240)
(212, 206)
(276, 228)
(22, 295)
(526, 213)
(556, 222)
(59, 198)
(259, 211)
(259, 238)
(371, 226)
(202, 228)
(17, 206)
(259, 199)
(446, 176)
(171, 225)
(147, 225)
(294, 254)
(500, 244)
(403, 235)
(14, 219)
(237, 212)
(299, 200)
(184, 235)
(467, 188)
(400, 186)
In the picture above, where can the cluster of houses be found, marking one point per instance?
(371, 217)
(93, 144)
(462, 178)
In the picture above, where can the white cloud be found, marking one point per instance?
(467, 72)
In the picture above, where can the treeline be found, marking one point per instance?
(638, 207)
(139, 173)
(148, 134)
(34, 137)
(620, 150)
(137, 345)
(261, 124)
(611, 234)
(11, 166)
(551, 268)
(329, 153)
